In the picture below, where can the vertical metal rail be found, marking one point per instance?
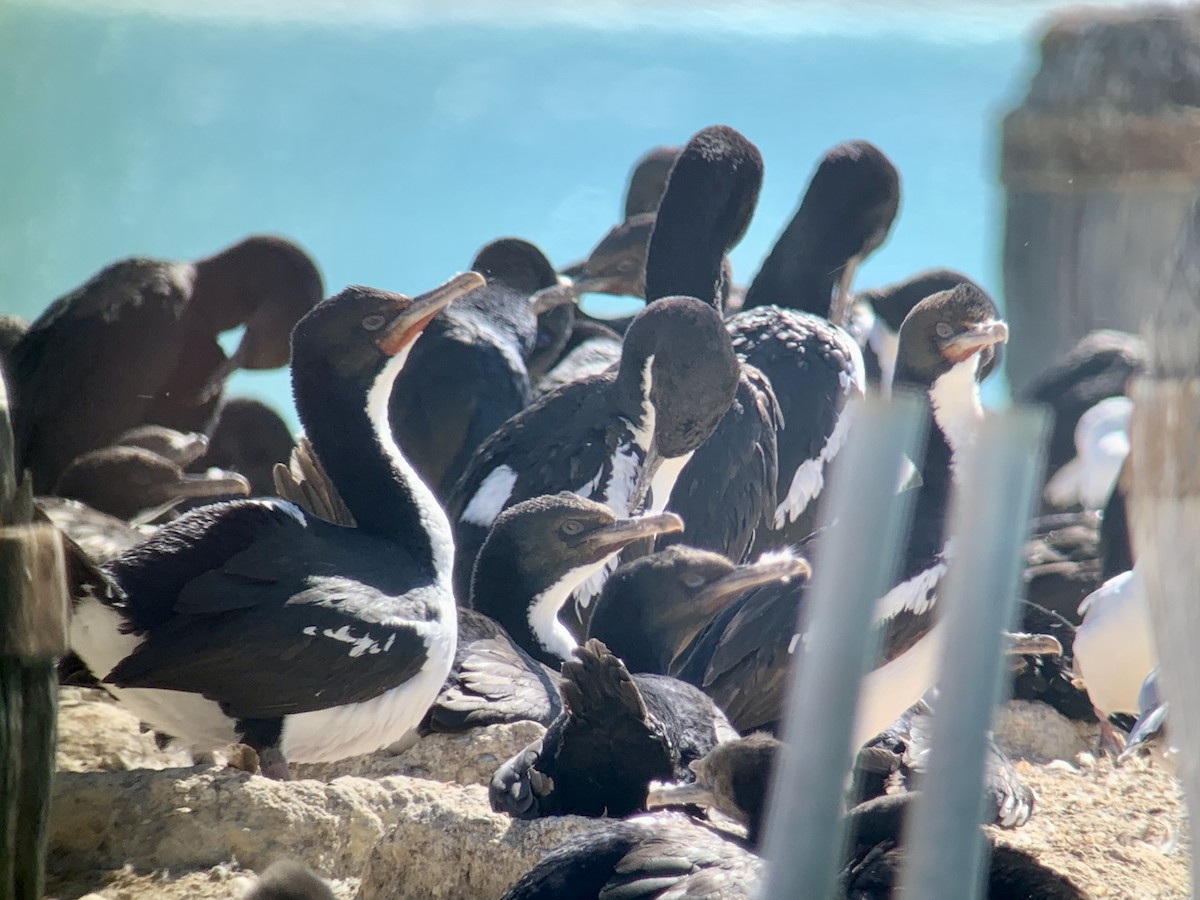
(857, 561)
(944, 845)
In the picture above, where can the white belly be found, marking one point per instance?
(328, 735)
(321, 736)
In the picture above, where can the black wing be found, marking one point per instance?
(281, 616)
(457, 388)
(814, 368)
(559, 443)
(492, 681)
(726, 492)
(743, 658)
(91, 364)
(665, 855)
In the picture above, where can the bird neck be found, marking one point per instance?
(793, 276)
(353, 440)
(501, 591)
(683, 261)
(956, 413)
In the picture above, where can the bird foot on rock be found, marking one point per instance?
(243, 758)
(1109, 743)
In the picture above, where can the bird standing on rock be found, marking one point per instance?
(254, 622)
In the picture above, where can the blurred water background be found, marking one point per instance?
(392, 139)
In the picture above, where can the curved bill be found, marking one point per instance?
(626, 531)
(695, 794)
(1019, 643)
(769, 569)
(409, 323)
(975, 339)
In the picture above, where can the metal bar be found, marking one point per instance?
(978, 602)
(804, 835)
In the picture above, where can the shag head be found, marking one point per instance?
(857, 191)
(263, 282)
(126, 481)
(648, 180)
(946, 330)
(705, 211)
(516, 264)
(732, 778)
(652, 608)
(352, 335)
(549, 537)
(692, 371)
(617, 265)
(180, 447)
(893, 302)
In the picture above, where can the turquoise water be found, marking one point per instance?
(393, 151)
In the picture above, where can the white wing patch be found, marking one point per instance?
(809, 479)
(488, 501)
(916, 595)
(358, 645)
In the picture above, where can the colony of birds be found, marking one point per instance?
(503, 508)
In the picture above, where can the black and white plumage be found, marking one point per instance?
(253, 621)
(815, 369)
(617, 438)
(616, 734)
(847, 211)
(1097, 367)
(468, 370)
(512, 640)
(877, 314)
(742, 657)
(138, 344)
(726, 492)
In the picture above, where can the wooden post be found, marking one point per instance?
(34, 615)
(977, 603)
(1165, 498)
(803, 842)
(1100, 162)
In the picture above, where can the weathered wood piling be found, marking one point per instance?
(34, 615)
(1100, 162)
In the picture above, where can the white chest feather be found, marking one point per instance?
(543, 613)
(664, 481)
(956, 406)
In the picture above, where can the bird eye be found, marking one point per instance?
(944, 330)
(692, 580)
(572, 527)
(373, 323)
